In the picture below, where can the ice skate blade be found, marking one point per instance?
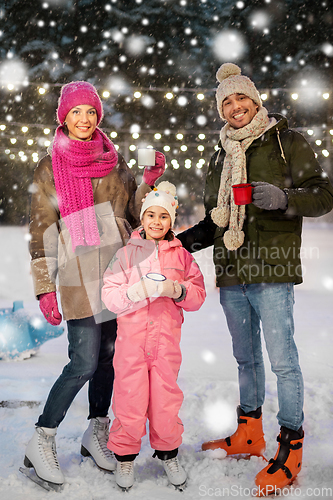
(180, 487)
(124, 488)
(31, 474)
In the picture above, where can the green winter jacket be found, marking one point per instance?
(271, 249)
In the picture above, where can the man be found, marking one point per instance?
(257, 262)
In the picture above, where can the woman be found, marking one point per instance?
(84, 204)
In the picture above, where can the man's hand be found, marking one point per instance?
(268, 197)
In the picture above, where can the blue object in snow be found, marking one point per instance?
(21, 334)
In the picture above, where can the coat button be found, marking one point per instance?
(151, 322)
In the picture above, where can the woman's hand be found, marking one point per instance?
(151, 174)
(49, 306)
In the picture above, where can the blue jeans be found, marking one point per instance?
(272, 304)
(90, 350)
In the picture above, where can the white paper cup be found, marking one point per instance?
(146, 157)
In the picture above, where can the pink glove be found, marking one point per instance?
(142, 290)
(49, 307)
(169, 288)
(151, 174)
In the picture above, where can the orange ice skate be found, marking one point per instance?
(284, 467)
(248, 438)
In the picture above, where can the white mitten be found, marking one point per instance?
(142, 290)
(169, 288)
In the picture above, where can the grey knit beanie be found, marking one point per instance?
(232, 82)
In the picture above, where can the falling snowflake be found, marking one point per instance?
(135, 45)
(260, 19)
(327, 48)
(118, 85)
(13, 72)
(229, 45)
(219, 416)
(201, 120)
(147, 101)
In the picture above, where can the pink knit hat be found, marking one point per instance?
(233, 82)
(76, 94)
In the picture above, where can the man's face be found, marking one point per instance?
(239, 110)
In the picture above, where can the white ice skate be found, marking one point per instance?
(94, 444)
(125, 475)
(41, 454)
(175, 472)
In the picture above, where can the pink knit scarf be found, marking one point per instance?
(74, 164)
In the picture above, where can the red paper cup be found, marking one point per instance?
(242, 194)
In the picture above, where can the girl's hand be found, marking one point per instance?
(169, 288)
(142, 290)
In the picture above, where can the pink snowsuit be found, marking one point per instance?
(147, 353)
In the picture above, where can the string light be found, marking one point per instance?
(136, 132)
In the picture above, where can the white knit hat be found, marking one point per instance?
(232, 82)
(163, 195)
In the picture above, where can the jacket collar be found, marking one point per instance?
(281, 123)
(138, 240)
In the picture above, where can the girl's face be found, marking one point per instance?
(81, 122)
(156, 222)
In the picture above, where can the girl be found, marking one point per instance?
(150, 282)
(84, 203)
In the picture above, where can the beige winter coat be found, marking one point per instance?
(117, 206)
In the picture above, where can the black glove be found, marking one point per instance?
(269, 197)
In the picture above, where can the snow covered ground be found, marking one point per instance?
(208, 378)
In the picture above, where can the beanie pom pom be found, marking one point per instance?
(226, 70)
(220, 216)
(167, 187)
(233, 239)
